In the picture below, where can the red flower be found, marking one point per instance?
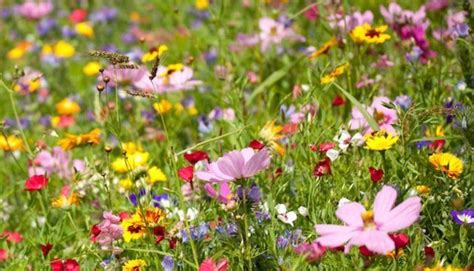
(3, 255)
(365, 251)
(36, 182)
(326, 146)
(375, 174)
(186, 173)
(78, 15)
(429, 252)
(67, 265)
(401, 240)
(290, 128)
(11, 236)
(46, 248)
(322, 168)
(160, 233)
(196, 156)
(172, 243)
(437, 145)
(338, 101)
(123, 215)
(95, 231)
(256, 145)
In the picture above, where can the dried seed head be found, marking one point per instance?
(106, 79)
(108, 149)
(101, 70)
(124, 153)
(100, 87)
(113, 58)
(142, 39)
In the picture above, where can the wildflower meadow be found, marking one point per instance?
(218, 135)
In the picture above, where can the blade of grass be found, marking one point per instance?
(370, 120)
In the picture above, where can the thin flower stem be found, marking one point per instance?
(248, 252)
(17, 118)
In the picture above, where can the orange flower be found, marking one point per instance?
(71, 141)
(324, 49)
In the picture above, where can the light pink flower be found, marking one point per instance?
(35, 9)
(349, 22)
(110, 230)
(370, 228)
(273, 32)
(169, 80)
(57, 161)
(384, 116)
(128, 77)
(235, 165)
(224, 195)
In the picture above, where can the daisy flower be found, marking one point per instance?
(447, 163)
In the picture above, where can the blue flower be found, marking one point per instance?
(463, 217)
(167, 263)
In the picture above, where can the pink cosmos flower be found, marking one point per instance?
(169, 79)
(273, 32)
(384, 116)
(370, 228)
(236, 165)
(224, 195)
(210, 265)
(35, 9)
(349, 22)
(125, 76)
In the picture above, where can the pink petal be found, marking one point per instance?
(334, 235)
(259, 161)
(351, 214)
(402, 216)
(384, 202)
(232, 164)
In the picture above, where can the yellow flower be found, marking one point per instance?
(19, 50)
(71, 141)
(62, 49)
(201, 4)
(366, 33)
(447, 163)
(134, 265)
(271, 134)
(84, 29)
(192, 111)
(11, 143)
(47, 49)
(126, 184)
(422, 189)
(380, 141)
(133, 228)
(154, 53)
(172, 69)
(131, 148)
(133, 161)
(163, 106)
(65, 202)
(439, 132)
(67, 107)
(92, 68)
(338, 71)
(324, 49)
(439, 267)
(155, 175)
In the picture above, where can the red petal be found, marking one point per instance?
(186, 173)
(256, 145)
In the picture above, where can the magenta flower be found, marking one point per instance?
(313, 251)
(110, 230)
(125, 76)
(173, 78)
(370, 228)
(57, 161)
(384, 116)
(235, 165)
(224, 195)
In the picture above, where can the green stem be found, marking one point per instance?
(17, 118)
(248, 252)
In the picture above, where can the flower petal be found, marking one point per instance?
(384, 202)
(351, 214)
(402, 216)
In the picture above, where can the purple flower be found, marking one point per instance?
(45, 25)
(404, 101)
(167, 263)
(232, 229)
(104, 15)
(463, 217)
(282, 242)
(349, 22)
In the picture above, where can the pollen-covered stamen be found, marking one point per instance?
(368, 218)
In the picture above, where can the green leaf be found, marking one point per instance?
(370, 120)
